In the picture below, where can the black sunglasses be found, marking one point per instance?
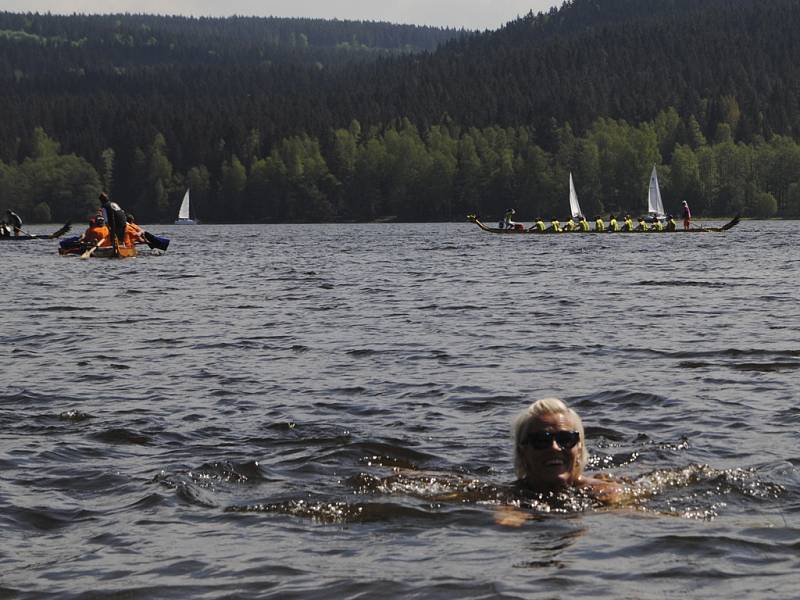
(540, 440)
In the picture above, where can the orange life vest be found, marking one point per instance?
(133, 234)
(94, 234)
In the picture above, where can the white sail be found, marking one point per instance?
(654, 204)
(183, 213)
(574, 207)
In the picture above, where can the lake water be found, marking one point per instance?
(323, 411)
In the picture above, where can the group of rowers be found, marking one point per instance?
(580, 224)
(112, 225)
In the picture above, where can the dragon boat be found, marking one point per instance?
(520, 229)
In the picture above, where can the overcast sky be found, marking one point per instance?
(469, 14)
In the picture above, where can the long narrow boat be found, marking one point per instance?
(729, 225)
(32, 236)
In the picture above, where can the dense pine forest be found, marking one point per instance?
(275, 120)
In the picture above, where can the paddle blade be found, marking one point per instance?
(56, 234)
(155, 242)
(70, 242)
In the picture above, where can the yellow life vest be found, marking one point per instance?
(599, 225)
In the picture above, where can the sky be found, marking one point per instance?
(467, 14)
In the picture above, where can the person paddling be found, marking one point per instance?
(599, 224)
(671, 224)
(133, 233)
(97, 232)
(15, 221)
(539, 226)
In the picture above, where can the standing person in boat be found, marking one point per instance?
(15, 221)
(115, 218)
(687, 216)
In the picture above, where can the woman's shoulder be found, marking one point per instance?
(603, 488)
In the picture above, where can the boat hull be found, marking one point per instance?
(104, 252)
(523, 231)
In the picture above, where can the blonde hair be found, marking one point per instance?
(545, 406)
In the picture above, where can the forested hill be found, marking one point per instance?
(298, 119)
(624, 59)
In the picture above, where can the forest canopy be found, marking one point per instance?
(272, 120)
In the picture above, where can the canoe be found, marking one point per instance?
(71, 246)
(105, 252)
(522, 230)
(30, 236)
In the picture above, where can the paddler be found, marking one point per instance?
(658, 225)
(612, 224)
(133, 233)
(97, 232)
(539, 226)
(583, 224)
(643, 225)
(627, 224)
(15, 221)
(555, 226)
(599, 224)
(671, 224)
(569, 225)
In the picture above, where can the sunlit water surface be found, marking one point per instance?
(322, 411)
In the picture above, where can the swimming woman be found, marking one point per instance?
(550, 454)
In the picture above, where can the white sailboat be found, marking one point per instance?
(574, 207)
(183, 213)
(654, 204)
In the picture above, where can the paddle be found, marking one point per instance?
(155, 242)
(58, 233)
(91, 250)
